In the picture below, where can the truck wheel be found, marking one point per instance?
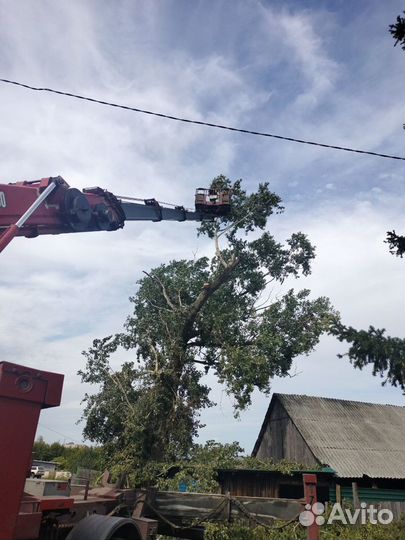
(98, 527)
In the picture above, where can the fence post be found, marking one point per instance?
(356, 500)
(338, 494)
(86, 490)
(229, 506)
(311, 498)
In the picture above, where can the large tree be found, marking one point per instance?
(207, 315)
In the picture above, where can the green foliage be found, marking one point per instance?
(69, 458)
(397, 31)
(199, 472)
(392, 531)
(47, 452)
(396, 243)
(241, 531)
(386, 354)
(191, 317)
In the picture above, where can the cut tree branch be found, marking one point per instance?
(218, 251)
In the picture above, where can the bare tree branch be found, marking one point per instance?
(234, 224)
(115, 378)
(179, 297)
(159, 308)
(218, 251)
(163, 289)
(155, 354)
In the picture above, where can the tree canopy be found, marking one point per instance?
(69, 458)
(205, 315)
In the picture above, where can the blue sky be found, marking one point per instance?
(324, 71)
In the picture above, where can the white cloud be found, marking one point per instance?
(319, 71)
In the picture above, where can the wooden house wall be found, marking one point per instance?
(249, 483)
(282, 440)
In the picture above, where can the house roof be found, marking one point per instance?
(356, 439)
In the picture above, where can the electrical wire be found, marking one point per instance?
(200, 122)
(67, 437)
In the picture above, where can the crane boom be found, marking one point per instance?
(151, 210)
(51, 206)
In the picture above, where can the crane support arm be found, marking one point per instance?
(51, 206)
(153, 211)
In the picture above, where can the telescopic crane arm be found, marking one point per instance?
(51, 206)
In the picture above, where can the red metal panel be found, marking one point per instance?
(310, 493)
(49, 217)
(27, 526)
(29, 504)
(23, 392)
(20, 196)
(56, 503)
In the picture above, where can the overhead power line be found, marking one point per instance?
(67, 437)
(200, 122)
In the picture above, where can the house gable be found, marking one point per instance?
(355, 439)
(280, 439)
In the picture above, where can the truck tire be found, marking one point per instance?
(98, 527)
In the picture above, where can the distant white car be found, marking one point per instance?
(37, 471)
